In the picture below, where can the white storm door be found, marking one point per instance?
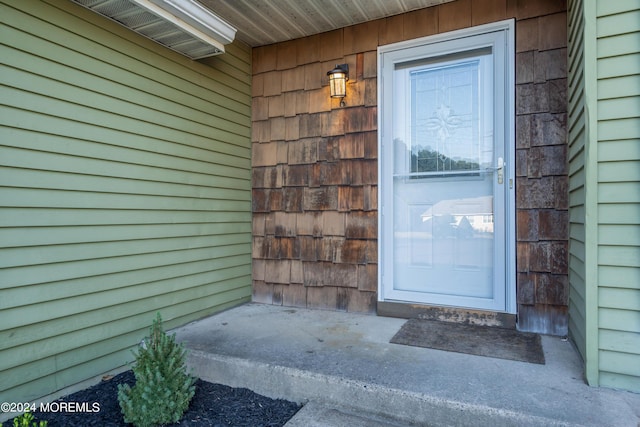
(445, 185)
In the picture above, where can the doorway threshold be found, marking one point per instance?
(446, 314)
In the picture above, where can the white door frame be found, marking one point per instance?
(508, 26)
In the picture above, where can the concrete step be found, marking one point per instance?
(314, 414)
(345, 361)
(370, 401)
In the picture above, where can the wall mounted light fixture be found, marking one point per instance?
(338, 82)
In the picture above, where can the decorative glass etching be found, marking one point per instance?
(445, 124)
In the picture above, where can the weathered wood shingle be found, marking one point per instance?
(332, 151)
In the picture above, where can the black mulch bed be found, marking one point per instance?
(212, 405)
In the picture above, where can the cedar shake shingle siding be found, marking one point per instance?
(314, 177)
(541, 167)
(315, 163)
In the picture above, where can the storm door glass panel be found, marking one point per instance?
(443, 207)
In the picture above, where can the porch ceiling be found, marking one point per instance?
(262, 22)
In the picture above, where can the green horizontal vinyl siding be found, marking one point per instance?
(125, 189)
(618, 171)
(577, 139)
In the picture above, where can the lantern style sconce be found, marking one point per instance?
(338, 82)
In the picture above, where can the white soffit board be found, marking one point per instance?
(181, 25)
(263, 22)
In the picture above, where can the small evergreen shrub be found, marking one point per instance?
(27, 420)
(163, 389)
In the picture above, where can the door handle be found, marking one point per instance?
(499, 170)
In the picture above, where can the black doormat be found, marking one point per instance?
(471, 339)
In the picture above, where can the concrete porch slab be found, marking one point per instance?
(345, 360)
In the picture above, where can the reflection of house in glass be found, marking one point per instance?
(470, 215)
